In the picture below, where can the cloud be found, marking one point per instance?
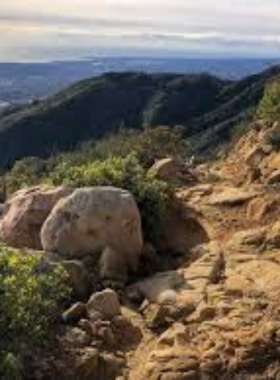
(72, 27)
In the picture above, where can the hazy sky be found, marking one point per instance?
(60, 29)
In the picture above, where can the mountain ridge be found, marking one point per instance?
(203, 104)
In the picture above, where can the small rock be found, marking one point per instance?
(112, 266)
(87, 366)
(167, 169)
(107, 336)
(159, 287)
(273, 236)
(77, 337)
(203, 313)
(125, 332)
(86, 326)
(231, 197)
(274, 178)
(74, 313)
(157, 316)
(112, 366)
(105, 302)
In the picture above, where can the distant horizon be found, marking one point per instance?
(47, 30)
(143, 57)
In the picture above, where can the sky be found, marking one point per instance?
(39, 30)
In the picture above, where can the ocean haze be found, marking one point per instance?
(40, 30)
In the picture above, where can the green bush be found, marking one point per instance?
(149, 144)
(26, 172)
(269, 108)
(127, 173)
(29, 294)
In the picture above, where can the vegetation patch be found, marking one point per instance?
(30, 293)
(127, 173)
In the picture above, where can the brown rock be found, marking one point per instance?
(173, 364)
(77, 338)
(87, 366)
(258, 208)
(274, 177)
(74, 313)
(231, 197)
(273, 236)
(112, 366)
(113, 265)
(105, 302)
(167, 169)
(125, 331)
(25, 214)
(158, 316)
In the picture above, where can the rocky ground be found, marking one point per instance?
(211, 313)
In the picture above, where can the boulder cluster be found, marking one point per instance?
(210, 310)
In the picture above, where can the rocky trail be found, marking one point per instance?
(214, 313)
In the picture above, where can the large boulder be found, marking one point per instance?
(92, 219)
(25, 213)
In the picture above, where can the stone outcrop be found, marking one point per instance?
(208, 309)
(93, 219)
(24, 214)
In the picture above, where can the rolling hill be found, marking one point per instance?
(207, 107)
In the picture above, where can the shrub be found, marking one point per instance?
(149, 144)
(269, 108)
(26, 172)
(28, 295)
(127, 173)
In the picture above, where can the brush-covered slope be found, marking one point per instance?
(206, 106)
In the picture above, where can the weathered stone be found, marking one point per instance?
(264, 274)
(160, 287)
(175, 335)
(247, 239)
(168, 169)
(274, 177)
(112, 366)
(273, 236)
(173, 362)
(125, 331)
(86, 326)
(231, 197)
(24, 214)
(88, 364)
(255, 156)
(203, 313)
(74, 313)
(113, 265)
(258, 208)
(105, 333)
(92, 219)
(77, 337)
(105, 302)
(157, 316)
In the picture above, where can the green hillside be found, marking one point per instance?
(208, 108)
